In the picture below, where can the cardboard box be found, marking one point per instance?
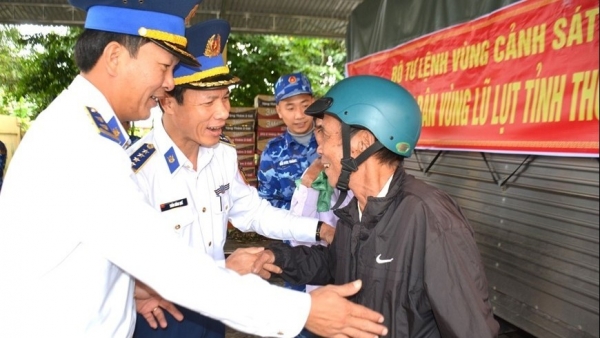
(246, 160)
(253, 181)
(262, 134)
(240, 125)
(249, 172)
(245, 149)
(261, 144)
(237, 113)
(267, 113)
(274, 125)
(264, 101)
(244, 137)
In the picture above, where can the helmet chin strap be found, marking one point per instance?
(349, 164)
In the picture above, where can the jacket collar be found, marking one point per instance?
(376, 206)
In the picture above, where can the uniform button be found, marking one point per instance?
(204, 209)
(280, 333)
(209, 243)
(177, 227)
(226, 207)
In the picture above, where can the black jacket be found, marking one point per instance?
(415, 253)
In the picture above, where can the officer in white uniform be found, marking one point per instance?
(198, 194)
(73, 239)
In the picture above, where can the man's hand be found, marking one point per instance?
(242, 261)
(264, 264)
(327, 233)
(312, 172)
(332, 315)
(151, 305)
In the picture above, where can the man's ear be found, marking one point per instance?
(362, 140)
(111, 57)
(167, 103)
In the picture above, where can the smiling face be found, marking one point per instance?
(199, 119)
(328, 134)
(291, 111)
(142, 79)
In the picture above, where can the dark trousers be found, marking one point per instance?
(194, 325)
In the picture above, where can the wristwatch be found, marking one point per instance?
(318, 232)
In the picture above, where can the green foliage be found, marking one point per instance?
(259, 60)
(35, 69)
(10, 67)
(47, 68)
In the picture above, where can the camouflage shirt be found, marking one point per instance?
(282, 162)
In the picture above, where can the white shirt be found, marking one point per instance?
(75, 228)
(304, 202)
(198, 203)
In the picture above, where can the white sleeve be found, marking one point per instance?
(128, 233)
(249, 212)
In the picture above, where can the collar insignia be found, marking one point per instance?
(172, 161)
(114, 124)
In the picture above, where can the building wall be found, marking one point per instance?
(538, 233)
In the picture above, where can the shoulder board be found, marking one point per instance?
(140, 156)
(101, 125)
(226, 140)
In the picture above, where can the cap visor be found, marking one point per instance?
(318, 108)
(184, 56)
(217, 81)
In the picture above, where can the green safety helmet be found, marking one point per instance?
(383, 107)
(379, 105)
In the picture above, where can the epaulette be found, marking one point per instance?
(226, 140)
(109, 129)
(140, 156)
(102, 126)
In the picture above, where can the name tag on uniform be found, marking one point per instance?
(173, 205)
(290, 161)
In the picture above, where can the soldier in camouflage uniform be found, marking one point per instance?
(287, 156)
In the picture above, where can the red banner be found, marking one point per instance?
(523, 79)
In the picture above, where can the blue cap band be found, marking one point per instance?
(129, 21)
(206, 62)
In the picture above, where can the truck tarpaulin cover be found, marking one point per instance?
(522, 79)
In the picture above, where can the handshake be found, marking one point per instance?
(254, 260)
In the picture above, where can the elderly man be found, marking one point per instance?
(409, 242)
(71, 245)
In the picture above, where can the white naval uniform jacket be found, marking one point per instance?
(198, 203)
(75, 228)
